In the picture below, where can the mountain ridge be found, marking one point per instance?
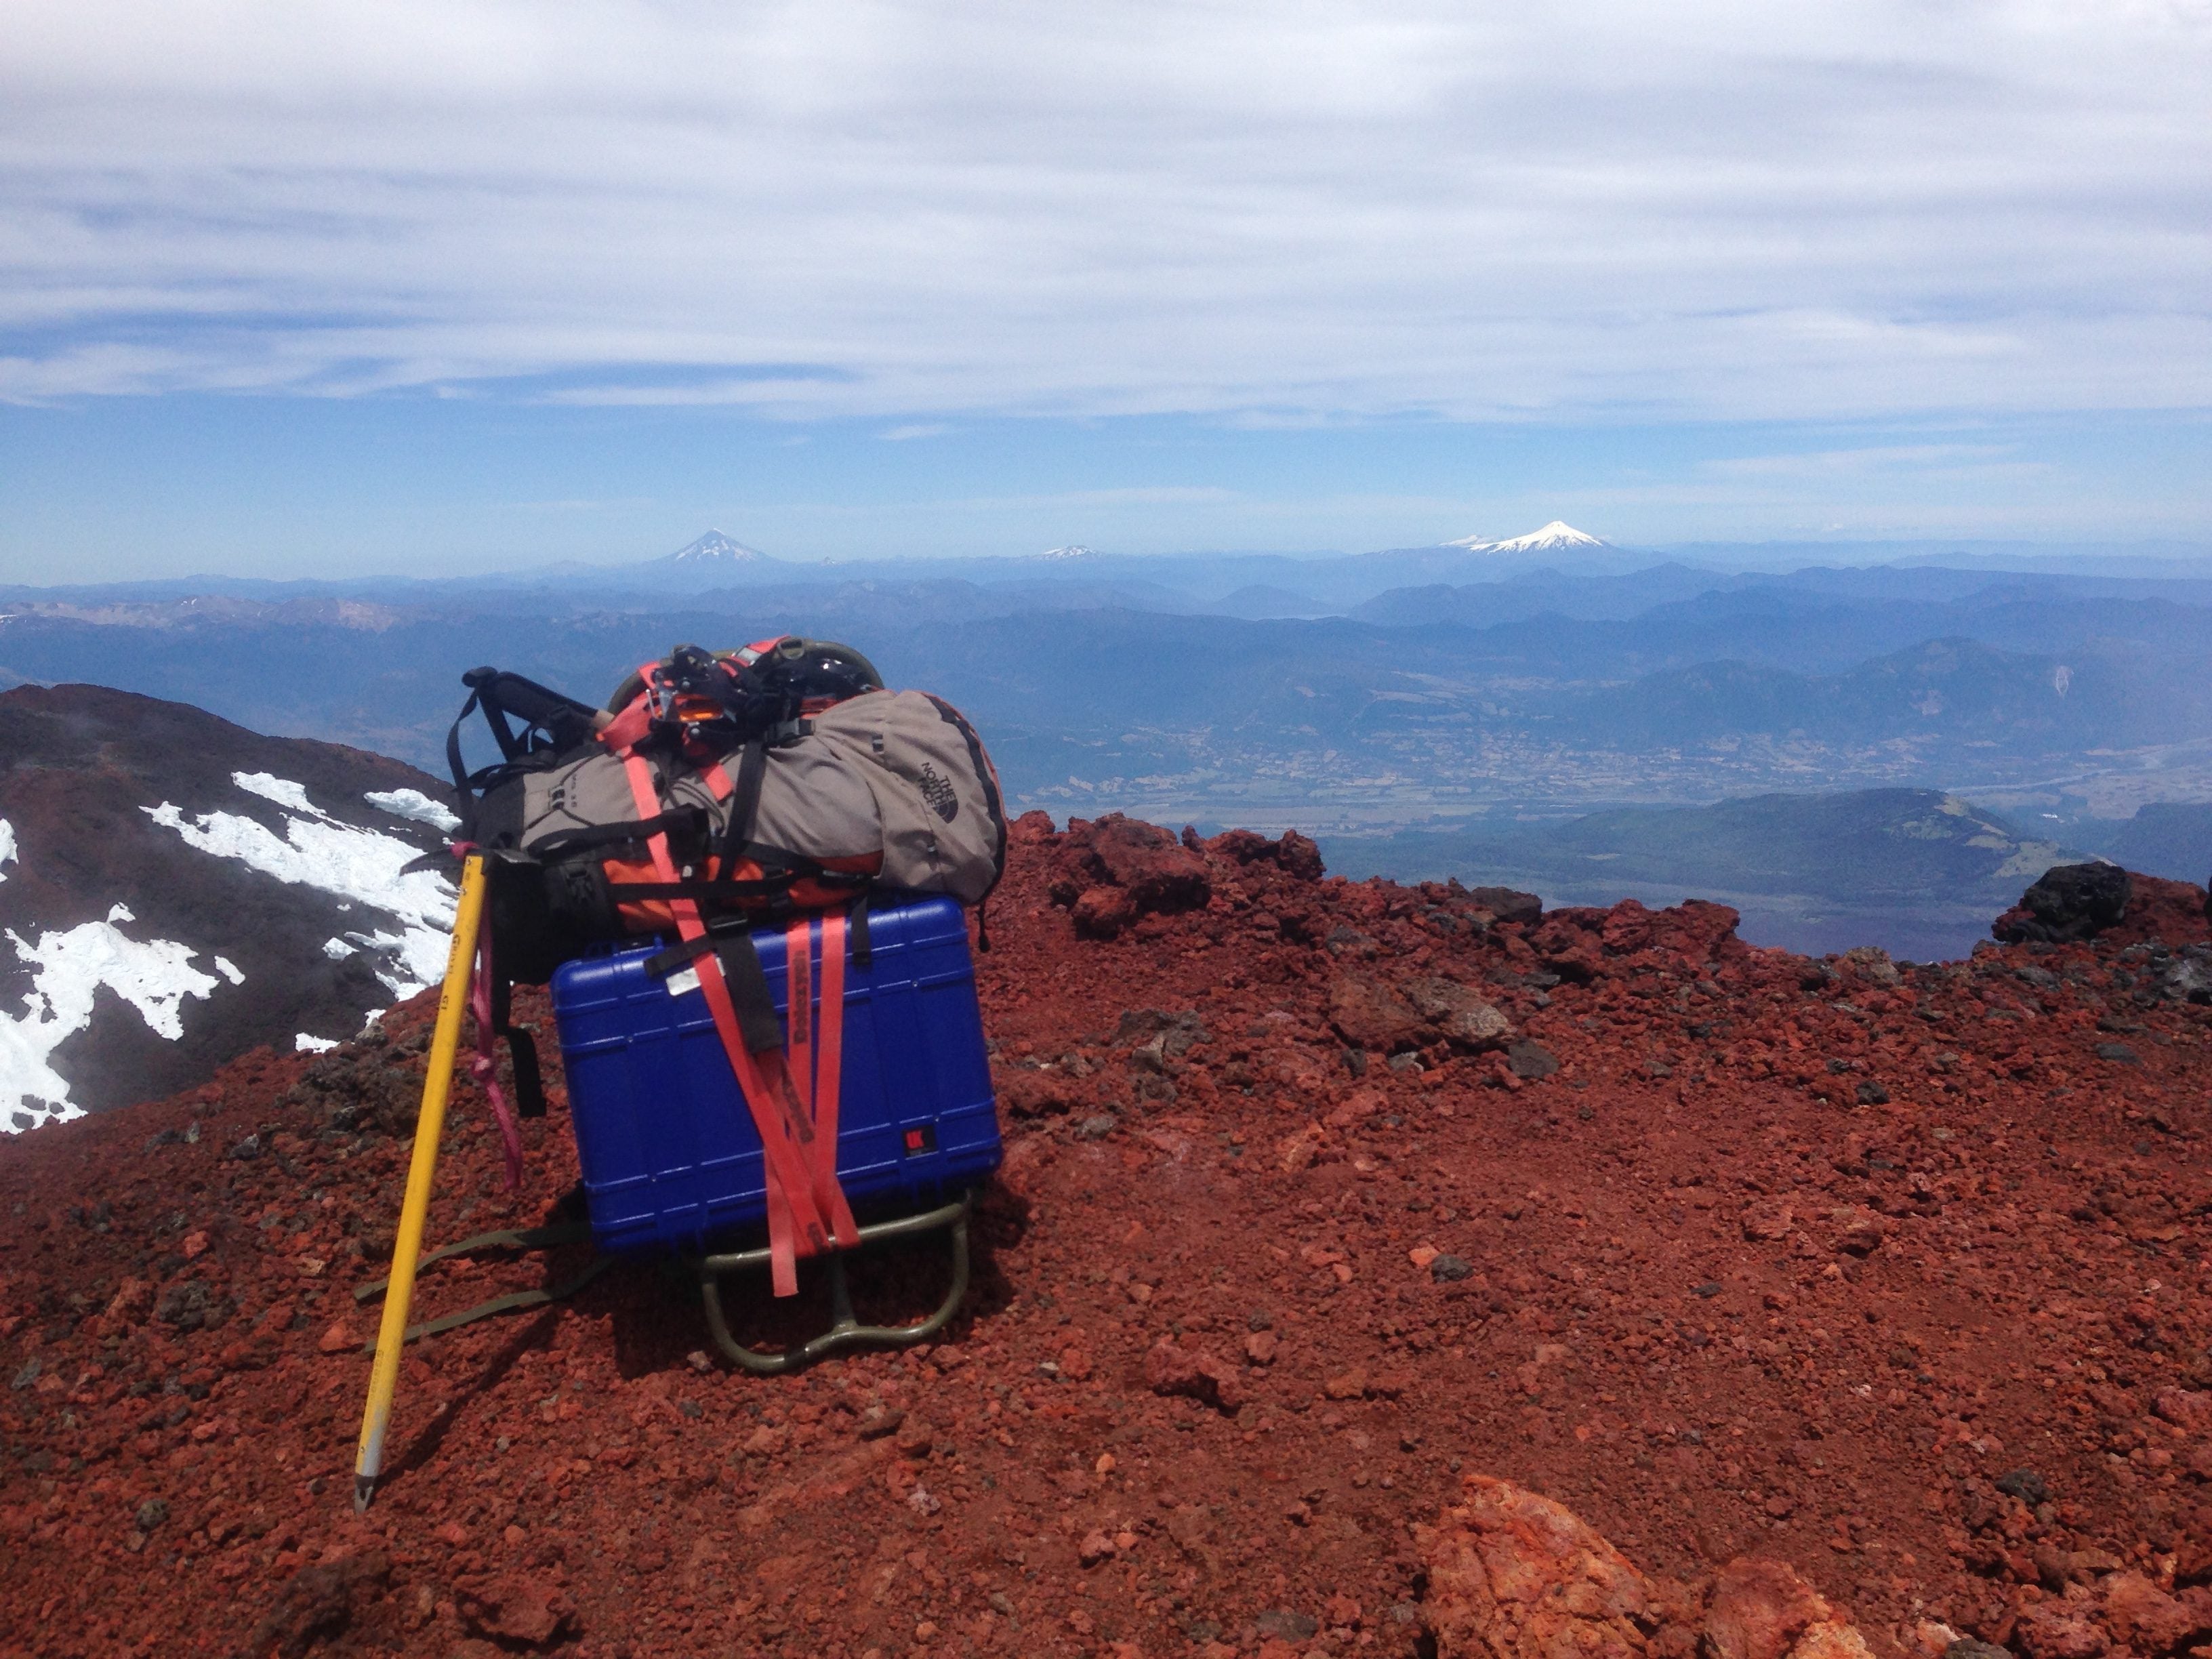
(179, 890)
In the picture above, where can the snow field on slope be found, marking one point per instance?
(413, 804)
(7, 846)
(69, 966)
(361, 866)
(282, 791)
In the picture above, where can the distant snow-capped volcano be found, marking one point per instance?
(715, 549)
(1552, 537)
(1073, 550)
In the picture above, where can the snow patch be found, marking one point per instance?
(7, 847)
(120, 913)
(715, 548)
(228, 970)
(361, 865)
(414, 805)
(1554, 536)
(337, 949)
(283, 792)
(307, 1043)
(68, 967)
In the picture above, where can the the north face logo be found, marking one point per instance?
(937, 791)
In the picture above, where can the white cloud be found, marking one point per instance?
(1717, 209)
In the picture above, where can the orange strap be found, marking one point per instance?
(815, 1049)
(799, 1009)
(798, 1224)
(829, 1047)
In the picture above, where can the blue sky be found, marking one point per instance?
(321, 289)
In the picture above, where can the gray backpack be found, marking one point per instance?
(765, 801)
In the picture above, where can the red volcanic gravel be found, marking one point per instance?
(1319, 1197)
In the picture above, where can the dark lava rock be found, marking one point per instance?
(2119, 1052)
(318, 1601)
(1532, 1060)
(2187, 976)
(2071, 901)
(1967, 1648)
(2025, 1484)
(1507, 904)
(1098, 1127)
(189, 1306)
(1447, 1268)
(1290, 1626)
(1873, 1094)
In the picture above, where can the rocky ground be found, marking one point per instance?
(1851, 1301)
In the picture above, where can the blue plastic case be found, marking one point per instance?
(668, 1152)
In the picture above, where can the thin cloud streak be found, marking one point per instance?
(1269, 214)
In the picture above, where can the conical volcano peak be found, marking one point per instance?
(715, 549)
(1558, 534)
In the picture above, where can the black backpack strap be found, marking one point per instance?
(562, 842)
(856, 932)
(744, 804)
(722, 893)
(565, 722)
(749, 993)
(521, 1047)
(460, 768)
(741, 972)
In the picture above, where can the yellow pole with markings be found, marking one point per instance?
(437, 1082)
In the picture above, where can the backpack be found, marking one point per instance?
(745, 786)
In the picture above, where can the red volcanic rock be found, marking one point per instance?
(1515, 1576)
(518, 1610)
(2061, 1630)
(1293, 853)
(1579, 942)
(1158, 873)
(2149, 1620)
(1038, 1092)
(1759, 1609)
(1512, 1575)
(1989, 1273)
(1300, 858)
(1102, 912)
(2185, 1408)
(1118, 869)
(1170, 1368)
(1767, 1218)
(1455, 1012)
(2167, 912)
(1369, 1014)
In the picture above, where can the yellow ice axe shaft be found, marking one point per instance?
(437, 1082)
